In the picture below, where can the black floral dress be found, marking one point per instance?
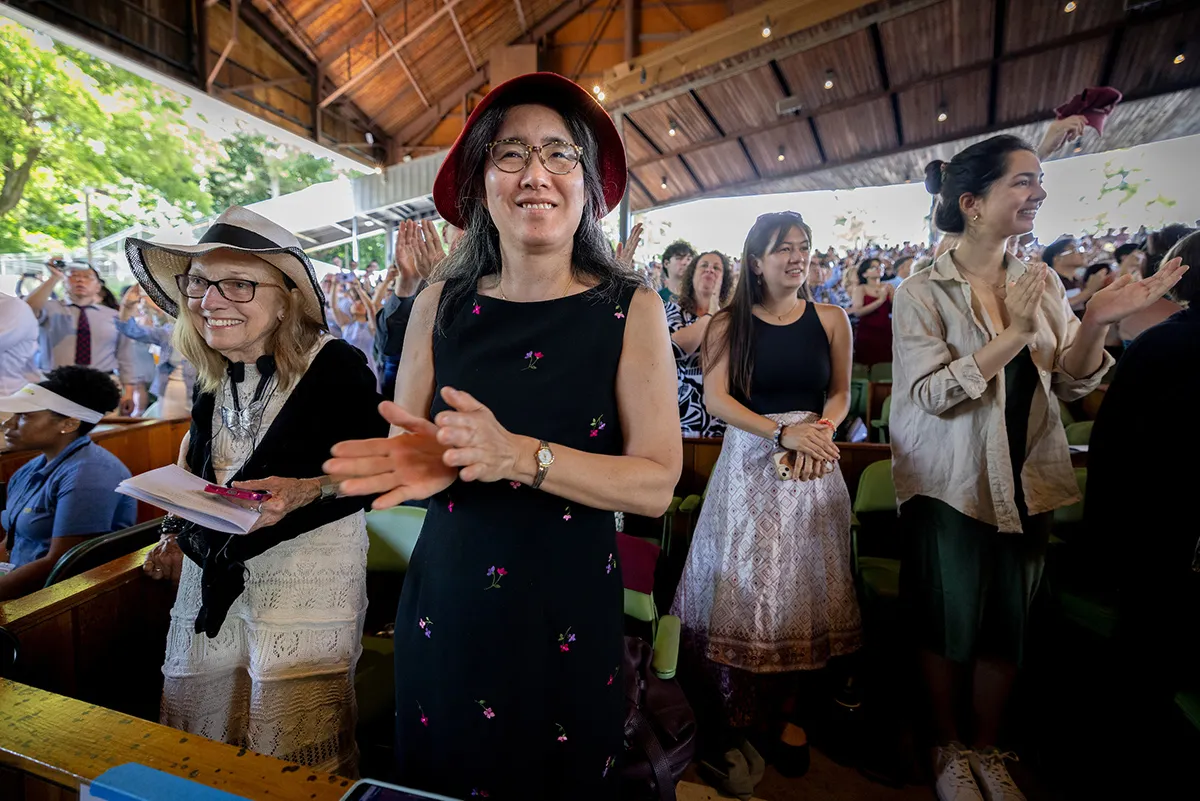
(509, 629)
(694, 419)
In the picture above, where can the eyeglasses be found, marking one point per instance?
(512, 155)
(236, 290)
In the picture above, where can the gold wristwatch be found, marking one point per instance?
(545, 458)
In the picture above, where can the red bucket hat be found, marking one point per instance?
(545, 89)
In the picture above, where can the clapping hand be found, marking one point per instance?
(1125, 296)
(626, 250)
(404, 467)
(1023, 298)
(479, 446)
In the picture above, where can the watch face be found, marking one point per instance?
(544, 456)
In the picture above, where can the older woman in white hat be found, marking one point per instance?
(281, 608)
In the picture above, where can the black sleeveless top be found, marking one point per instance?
(791, 366)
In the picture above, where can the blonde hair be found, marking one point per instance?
(289, 343)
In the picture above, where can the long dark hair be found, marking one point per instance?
(477, 253)
(687, 300)
(972, 171)
(737, 319)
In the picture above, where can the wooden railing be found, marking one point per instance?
(99, 637)
(700, 456)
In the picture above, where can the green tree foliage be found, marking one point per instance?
(255, 169)
(70, 121)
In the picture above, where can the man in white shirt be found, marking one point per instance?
(18, 345)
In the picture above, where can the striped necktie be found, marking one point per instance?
(83, 338)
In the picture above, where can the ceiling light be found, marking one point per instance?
(767, 28)
(600, 96)
(595, 90)
(1069, 7)
(407, 157)
(672, 128)
(781, 156)
(943, 113)
(664, 182)
(370, 137)
(828, 79)
(379, 171)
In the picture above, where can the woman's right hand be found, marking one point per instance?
(1023, 299)
(404, 467)
(812, 440)
(165, 560)
(714, 303)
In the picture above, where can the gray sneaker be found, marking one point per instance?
(952, 771)
(988, 766)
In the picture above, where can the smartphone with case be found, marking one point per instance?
(785, 464)
(230, 492)
(372, 790)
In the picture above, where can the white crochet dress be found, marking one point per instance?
(279, 677)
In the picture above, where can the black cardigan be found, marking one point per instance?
(335, 400)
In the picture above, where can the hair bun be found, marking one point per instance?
(934, 171)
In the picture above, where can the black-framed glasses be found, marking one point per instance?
(512, 155)
(235, 290)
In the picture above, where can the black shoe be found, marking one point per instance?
(792, 760)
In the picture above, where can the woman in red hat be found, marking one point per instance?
(547, 372)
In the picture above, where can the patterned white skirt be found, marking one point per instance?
(279, 677)
(767, 587)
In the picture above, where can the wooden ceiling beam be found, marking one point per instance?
(1065, 41)
(675, 16)
(999, 20)
(315, 14)
(463, 39)
(366, 4)
(983, 130)
(521, 16)
(382, 59)
(724, 40)
(384, 18)
(885, 80)
(643, 98)
(605, 16)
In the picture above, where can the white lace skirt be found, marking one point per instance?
(279, 677)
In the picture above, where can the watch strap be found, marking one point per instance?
(542, 469)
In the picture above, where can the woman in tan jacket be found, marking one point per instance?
(985, 347)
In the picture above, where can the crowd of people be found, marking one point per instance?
(537, 385)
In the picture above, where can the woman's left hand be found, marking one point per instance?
(481, 448)
(1125, 296)
(287, 495)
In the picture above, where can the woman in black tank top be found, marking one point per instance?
(767, 590)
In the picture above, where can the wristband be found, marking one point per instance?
(778, 435)
(825, 421)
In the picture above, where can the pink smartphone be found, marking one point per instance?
(230, 492)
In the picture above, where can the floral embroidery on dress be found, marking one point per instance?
(562, 733)
(495, 573)
(515, 484)
(427, 626)
(597, 426)
(487, 710)
(479, 793)
(612, 564)
(476, 309)
(424, 717)
(450, 507)
(567, 514)
(565, 639)
(608, 763)
(613, 675)
(620, 315)
(534, 357)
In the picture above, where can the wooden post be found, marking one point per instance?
(315, 104)
(201, 49)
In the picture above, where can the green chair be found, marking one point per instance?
(1067, 517)
(881, 373)
(1079, 433)
(1064, 413)
(878, 576)
(885, 415)
(860, 392)
(393, 535)
(860, 371)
